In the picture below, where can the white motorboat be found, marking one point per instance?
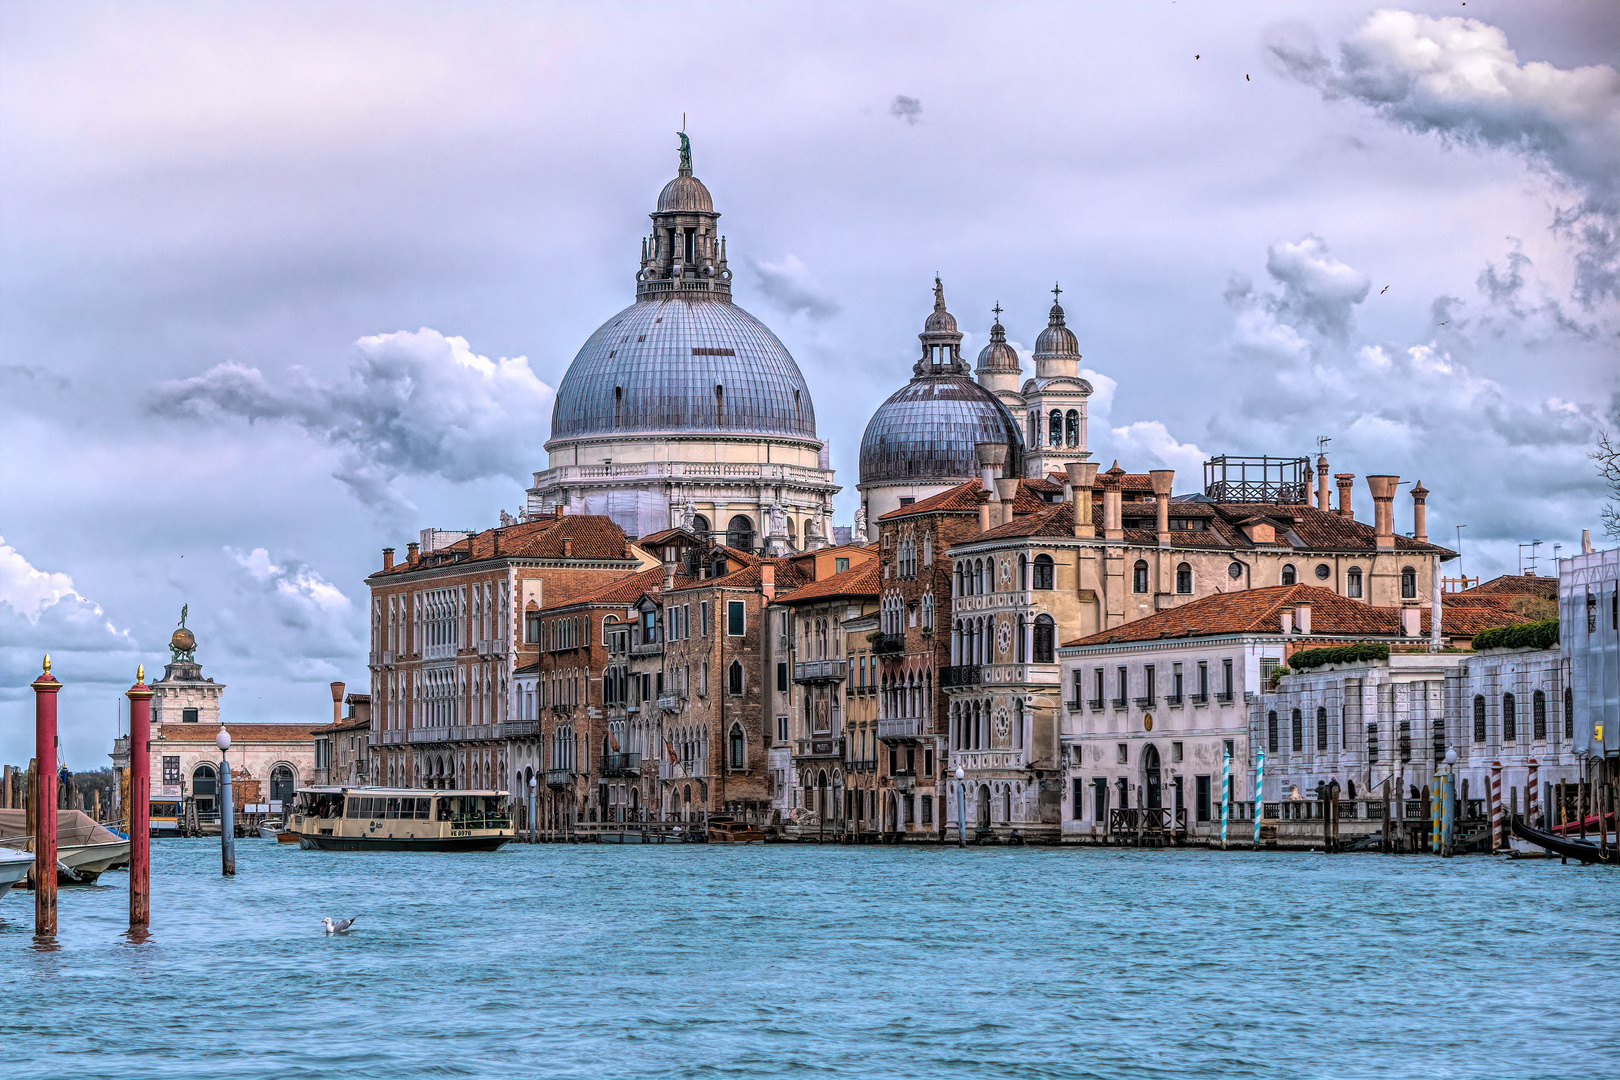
(84, 849)
(81, 864)
(14, 867)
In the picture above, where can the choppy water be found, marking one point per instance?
(562, 961)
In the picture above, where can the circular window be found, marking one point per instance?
(1147, 723)
(1322, 571)
(1235, 570)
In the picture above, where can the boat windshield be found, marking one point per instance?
(319, 804)
(473, 811)
(388, 807)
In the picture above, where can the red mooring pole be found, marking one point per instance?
(45, 690)
(140, 800)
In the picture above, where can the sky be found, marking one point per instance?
(282, 284)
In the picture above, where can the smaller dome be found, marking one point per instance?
(685, 194)
(1057, 338)
(939, 321)
(998, 355)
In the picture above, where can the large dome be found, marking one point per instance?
(930, 429)
(680, 366)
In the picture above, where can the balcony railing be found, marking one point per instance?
(1119, 702)
(903, 728)
(428, 735)
(1199, 699)
(959, 675)
(1094, 704)
(521, 729)
(621, 764)
(1147, 702)
(1224, 697)
(1172, 701)
(812, 671)
(647, 648)
(559, 778)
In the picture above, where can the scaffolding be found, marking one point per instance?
(1236, 479)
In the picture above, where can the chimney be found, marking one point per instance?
(568, 547)
(337, 702)
(1082, 478)
(1113, 518)
(1006, 491)
(992, 459)
(557, 511)
(1420, 513)
(767, 582)
(1302, 617)
(1411, 621)
(1287, 616)
(1162, 479)
(1383, 493)
(410, 553)
(388, 558)
(669, 574)
(1346, 482)
(1586, 541)
(1323, 503)
(1436, 615)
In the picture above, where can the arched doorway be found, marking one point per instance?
(204, 787)
(1152, 797)
(281, 787)
(821, 796)
(740, 533)
(984, 806)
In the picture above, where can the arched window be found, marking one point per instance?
(1139, 577)
(1408, 583)
(1352, 582)
(1538, 716)
(1023, 626)
(1184, 579)
(1479, 717)
(719, 405)
(740, 533)
(1071, 426)
(1289, 576)
(618, 406)
(1321, 728)
(1569, 713)
(1298, 731)
(1043, 572)
(281, 787)
(1023, 571)
(737, 748)
(1271, 732)
(734, 678)
(1510, 719)
(1045, 633)
(1055, 428)
(979, 579)
(700, 525)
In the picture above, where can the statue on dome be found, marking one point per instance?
(183, 643)
(686, 152)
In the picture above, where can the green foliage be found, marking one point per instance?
(1341, 654)
(1536, 635)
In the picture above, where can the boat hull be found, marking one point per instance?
(14, 867)
(1584, 850)
(426, 843)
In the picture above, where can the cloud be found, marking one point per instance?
(1458, 78)
(298, 584)
(44, 609)
(905, 108)
(418, 404)
(791, 286)
(1152, 440)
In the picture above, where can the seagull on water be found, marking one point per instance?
(341, 926)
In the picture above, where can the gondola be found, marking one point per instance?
(1584, 850)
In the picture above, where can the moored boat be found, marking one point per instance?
(84, 849)
(1567, 847)
(14, 867)
(400, 819)
(271, 829)
(722, 831)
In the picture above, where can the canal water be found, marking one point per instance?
(693, 961)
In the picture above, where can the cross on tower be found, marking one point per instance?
(1055, 292)
(997, 310)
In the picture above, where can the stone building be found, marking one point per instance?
(1589, 605)
(343, 747)
(451, 624)
(685, 410)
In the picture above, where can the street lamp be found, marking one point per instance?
(227, 818)
(532, 787)
(961, 808)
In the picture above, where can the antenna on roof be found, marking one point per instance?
(1321, 444)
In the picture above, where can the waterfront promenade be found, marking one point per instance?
(689, 961)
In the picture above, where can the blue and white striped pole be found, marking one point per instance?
(1226, 792)
(1259, 792)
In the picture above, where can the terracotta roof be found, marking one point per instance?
(788, 576)
(331, 729)
(860, 581)
(592, 537)
(242, 733)
(962, 497)
(1511, 585)
(1259, 611)
(527, 669)
(677, 533)
(621, 593)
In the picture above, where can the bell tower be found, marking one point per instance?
(684, 253)
(1055, 399)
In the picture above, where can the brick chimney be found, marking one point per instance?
(1006, 491)
(568, 547)
(1383, 494)
(557, 511)
(1082, 478)
(1286, 620)
(388, 558)
(411, 550)
(1420, 513)
(1323, 502)
(669, 573)
(1302, 618)
(1346, 482)
(767, 582)
(1162, 479)
(337, 702)
(1113, 515)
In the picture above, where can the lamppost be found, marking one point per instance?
(532, 788)
(227, 817)
(961, 808)
(1448, 826)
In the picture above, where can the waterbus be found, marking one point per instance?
(399, 819)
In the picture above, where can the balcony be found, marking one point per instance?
(672, 702)
(903, 729)
(621, 764)
(817, 671)
(681, 770)
(492, 647)
(824, 747)
(559, 778)
(1119, 703)
(959, 675)
(647, 648)
(1224, 698)
(390, 737)
(1172, 701)
(1147, 702)
(1094, 704)
(1072, 706)
(888, 644)
(521, 729)
(1199, 699)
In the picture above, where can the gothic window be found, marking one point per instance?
(1408, 583)
(1184, 579)
(1510, 719)
(738, 748)
(1043, 572)
(1479, 718)
(735, 678)
(928, 552)
(1352, 582)
(1071, 424)
(1045, 635)
(1139, 577)
(1289, 576)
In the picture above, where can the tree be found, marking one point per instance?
(1607, 457)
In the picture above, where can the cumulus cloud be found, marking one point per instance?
(1459, 79)
(791, 286)
(1150, 441)
(302, 616)
(419, 404)
(298, 584)
(908, 109)
(45, 610)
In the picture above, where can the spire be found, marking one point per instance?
(684, 253)
(998, 358)
(941, 341)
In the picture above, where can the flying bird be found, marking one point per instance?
(342, 926)
(1196, 55)
(1245, 78)
(1384, 290)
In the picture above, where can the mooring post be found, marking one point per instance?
(1226, 791)
(1259, 792)
(140, 800)
(1449, 825)
(1532, 794)
(1498, 839)
(227, 819)
(961, 808)
(46, 688)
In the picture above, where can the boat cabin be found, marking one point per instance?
(410, 819)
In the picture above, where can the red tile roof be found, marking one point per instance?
(858, 582)
(622, 592)
(1511, 585)
(588, 537)
(966, 498)
(242, 733)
